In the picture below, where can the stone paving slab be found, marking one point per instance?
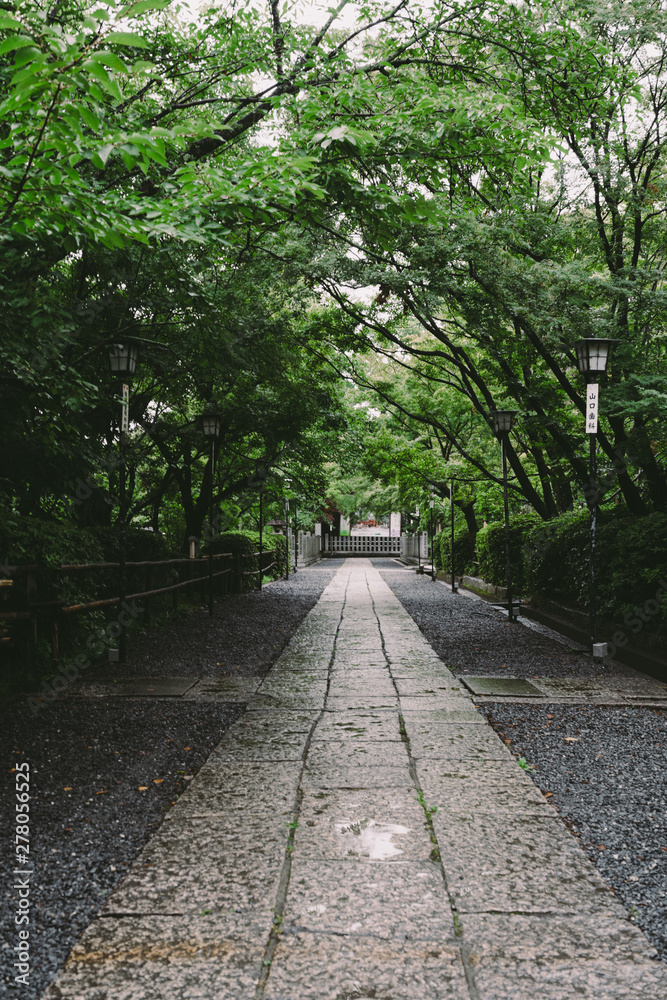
(456, 741)
(135, 687)
(360, 727)
(337, 776)
(332, 967)
(189, 868)
(376, 824)
(159, 958)
(569, 690)
(343, 704)
(223, 788)
(522, 863)
(403, 901)
(546, 957)
(347, 753)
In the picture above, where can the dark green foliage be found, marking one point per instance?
(244, 544)
(491, 551)
(631, 562)
(140, 545)
(464, 553)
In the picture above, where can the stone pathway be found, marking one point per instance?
(361, 834)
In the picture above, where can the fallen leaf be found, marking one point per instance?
(663, 848)
(187, 748)
(549, 716)
(158, 781)
(602, 847)
(547, 795)
(571, 739)
(68, 788)
(143, 788)
(102, 792)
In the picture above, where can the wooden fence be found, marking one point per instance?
(25, 619)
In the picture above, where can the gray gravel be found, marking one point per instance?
(609, 783)
(89, 761)
(610, 788)
(473, 638)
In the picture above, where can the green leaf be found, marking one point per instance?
(15, 42)
(134, 9)
(126, 38)
(109, 59)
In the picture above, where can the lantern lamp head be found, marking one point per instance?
(211, 424)
(502, 421)
(123, 357)
(593, 355)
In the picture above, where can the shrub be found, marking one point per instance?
(464, 553)
(491, 551)
(631, 561)
(244, 543)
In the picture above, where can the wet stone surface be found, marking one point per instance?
(312, 817)
(403, 901)
(328, 967)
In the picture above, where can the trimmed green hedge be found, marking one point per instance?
(464, 553)
(245, 543)
(491, 551)
(631, 563)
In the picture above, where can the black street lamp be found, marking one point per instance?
(432, 539)
(287, 552)
(455, 586)
(592, 357)
(260, 477)
(419, 542)
(123, 363)
(210, 425)
(502, 425)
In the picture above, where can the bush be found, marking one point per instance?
(464, 553)
(631, 562)
(491, 551)
(244, 543)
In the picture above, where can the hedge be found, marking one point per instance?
(631, 562)
(244, 543)
(491, 551)
(464, 553)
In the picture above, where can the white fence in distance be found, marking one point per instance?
(363, 545)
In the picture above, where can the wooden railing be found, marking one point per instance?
(25, 619)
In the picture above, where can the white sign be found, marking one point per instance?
(125, 410)
(395, 525)
(318, 527)
(591, 409)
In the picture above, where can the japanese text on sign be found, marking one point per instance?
(591, 409)
(125, 410)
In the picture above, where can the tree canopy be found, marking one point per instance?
(432, 202)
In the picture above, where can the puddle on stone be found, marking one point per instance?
(375, 839)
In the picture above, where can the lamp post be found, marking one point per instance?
(432, 535)
(261, 477)
(455, 586)
(419, 542)
(123, 363)
(592, 357)
(288, 484)
(210, 425)
(502, 425)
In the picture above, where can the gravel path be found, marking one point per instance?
(473, 638)
(103, 773)
(608, 782)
